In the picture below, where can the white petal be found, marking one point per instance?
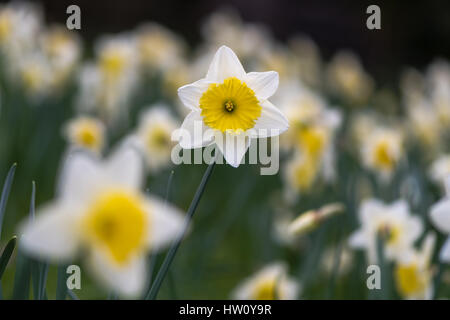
(272, 121)
(289, 288)
(440, 215)
(264, 84)
(190, 94)
(53, 235)
(128, 280)
(166, 223)
(444, 254)
(193, 132)
(400, 208)
(414, 228)
(225, 64)
(233, 147)
(124, 167)
(369, 208)
(81, 172)
(357, 239)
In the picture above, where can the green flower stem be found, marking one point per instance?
(176, 244)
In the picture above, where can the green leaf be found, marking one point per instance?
(5, 193)
(6, 255)
(61, 286)
(21, 290)
(156, 285)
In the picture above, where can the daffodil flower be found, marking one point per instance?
(229, 107)
(101, 213)
(440, 216)
(85, 132)
(393, 222)
(270, 283)
(153, 136)
(413, 272)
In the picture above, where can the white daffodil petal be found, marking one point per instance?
(80, 174)
(53, 235)
(225, 64)
(264, 84)
(440, 215)
(369, 208)
(401, 208)
(289, 289)
(190, 94)
(271, 123)
(125, 167)
(193, 133)
(415, 228)
(233, 147)
(444, 254)
(166, 223)
(128, 280)
(357, 239)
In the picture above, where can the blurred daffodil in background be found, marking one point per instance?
(364, 164)
(101, 209)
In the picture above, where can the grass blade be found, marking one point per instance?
(21, 290)
(176, 244)
(72, 295)
(6, 255)
(5, 193)
(61, 286)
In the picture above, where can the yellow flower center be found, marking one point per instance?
(32, 77)
(266, 290)
(382, 156)
(305, 173)
(390, 233)
(88, 135)
(112, 65)
(410, 279)
(5, 25)
(312, 140)
(230, 105)
(118, 223)
(159, 138)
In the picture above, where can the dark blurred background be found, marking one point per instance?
(413, 32)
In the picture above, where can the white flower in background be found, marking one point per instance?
(20, 22)
(158, 47)
(35, 74)
(438, 78)
(382, 150)
(392, 222)
(347, 78)
(440, 217)
(440, 170)
(413, 272)
(154, 136)
(270, 283)
(307, 112)
(300, 173)
(226, 27)
(106, 84)
(229, 107)
(329, 259)
(307, 60)
(101, 213)
(85, 132)
(116, 58)
(424, 124)
(62, 49)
